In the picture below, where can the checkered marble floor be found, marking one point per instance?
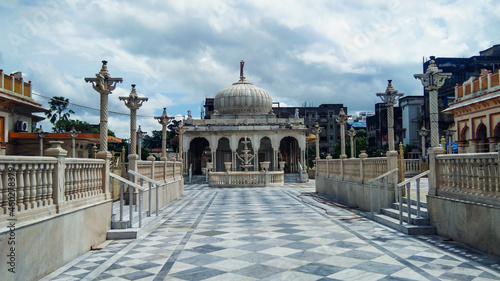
(279, 233)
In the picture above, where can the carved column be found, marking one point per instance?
(342, 118)
(104, 84)
(164, 120)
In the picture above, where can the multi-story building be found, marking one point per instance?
(376, 128)
(324, 115)
(462, 69)
(16, 108)
(476, 114)
(411, 113)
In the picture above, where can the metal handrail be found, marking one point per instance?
(150, 183)
(384, 177)
(407, 183)
(131, 185)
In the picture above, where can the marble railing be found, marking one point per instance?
(83, 178)
(161, 171)
(355, 169)
(32, 186)
(235, 179)
(471, 177)
(412, 166)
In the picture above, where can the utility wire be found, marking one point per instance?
(96, 109)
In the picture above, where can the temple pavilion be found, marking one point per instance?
(243, 112)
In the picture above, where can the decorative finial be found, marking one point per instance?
(104, 62)
(242, 64)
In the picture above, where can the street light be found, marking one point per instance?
(432, 80)
(104, 84)
(390, 97)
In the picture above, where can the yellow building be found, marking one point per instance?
(476, 111)
(16, 107)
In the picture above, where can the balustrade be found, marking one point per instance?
(472, 177)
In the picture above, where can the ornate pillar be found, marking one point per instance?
(390, 97)
(133, 102)
(351, 133)
(140, 135)
(449, 133)
(316, 131)
(164, 120)
(423, 133)
(104, 84)
(41, 134)
(73, 134)
(342, 118)
(432, 80)
(180, 132)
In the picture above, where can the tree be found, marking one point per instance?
(153, 141)
(59, 111)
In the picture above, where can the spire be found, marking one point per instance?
(242, 77)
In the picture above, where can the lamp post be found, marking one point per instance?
(73, 134)
(351, 133)
(104, 84)
(432, 80)
(180, 131)
(342, 118)
(140, 135)
(449, 133)
(164, 120)
(41, 134)
(133, 102)
(316, 130)
(423, 133)
(390, 97)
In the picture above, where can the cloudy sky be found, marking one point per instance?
(180, 52)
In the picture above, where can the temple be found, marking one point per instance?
(241, 110)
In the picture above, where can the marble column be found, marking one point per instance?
(342, 118)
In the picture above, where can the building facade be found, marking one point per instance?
(17, 108)
(411, 113)
(476, 111)
(242, 115)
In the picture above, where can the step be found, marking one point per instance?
(414, 220)
(134, 232)
(423, 210)
(405, 228)
(414, 202)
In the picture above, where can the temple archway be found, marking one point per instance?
(289, 152)
(199, 154)
(266, 151)
(482, 137)
(223, 154)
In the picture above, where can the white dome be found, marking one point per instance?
(243, 98)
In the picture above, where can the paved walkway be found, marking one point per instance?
(275, 234)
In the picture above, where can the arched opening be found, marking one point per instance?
(496, 133)
(266, 151)
(289, 152)
(223, 154)
(481, 136)
(199, 154)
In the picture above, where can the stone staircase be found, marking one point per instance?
(417, 225)
(122, 230)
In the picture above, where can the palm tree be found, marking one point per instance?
(58, 111)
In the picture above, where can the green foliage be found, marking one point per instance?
(361, 143)
(145, 153)
(58, 107)
(153, 141)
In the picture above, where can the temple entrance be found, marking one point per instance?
(481, 135)
(223, 154)
(266, 152)
(198, 155)
(289, 152)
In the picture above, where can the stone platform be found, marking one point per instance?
(275, 233)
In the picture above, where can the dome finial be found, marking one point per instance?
(242, 64)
